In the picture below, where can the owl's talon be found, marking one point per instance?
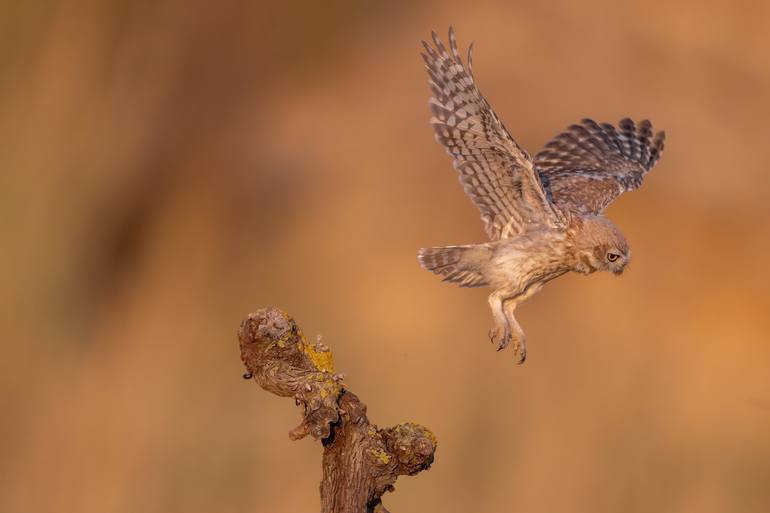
(501, 336)
(504, 341)
(519, 351)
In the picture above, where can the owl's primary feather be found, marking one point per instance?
(496, 173)
(591, 164)
(543, 216)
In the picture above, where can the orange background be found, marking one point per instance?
(168, 167)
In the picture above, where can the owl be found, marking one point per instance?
(542, 215)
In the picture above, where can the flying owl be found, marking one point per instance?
(543, 215)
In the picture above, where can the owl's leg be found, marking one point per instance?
(509, 307)
(519, 339)
(501, 333)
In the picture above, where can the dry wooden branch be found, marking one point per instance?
(360, 460)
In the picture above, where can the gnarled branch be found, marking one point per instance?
(360, 460)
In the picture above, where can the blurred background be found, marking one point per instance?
(170, 166)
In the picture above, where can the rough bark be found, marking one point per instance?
(360, 461)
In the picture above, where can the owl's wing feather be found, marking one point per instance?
(591, 164)
(496, 173)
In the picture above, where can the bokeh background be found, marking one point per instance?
(168, 167)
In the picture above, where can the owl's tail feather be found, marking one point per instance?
(456, 264)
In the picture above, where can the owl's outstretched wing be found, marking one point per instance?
(496, 173)
(591, 164)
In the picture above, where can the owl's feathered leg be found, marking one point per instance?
(509, 308)
(519, 339)
(501, 333)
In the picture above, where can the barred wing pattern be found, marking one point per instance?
(591, 164)
(496, 173)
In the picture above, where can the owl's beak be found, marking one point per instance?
(618, 271)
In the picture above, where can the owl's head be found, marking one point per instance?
(600, 247)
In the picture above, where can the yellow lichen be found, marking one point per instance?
(284, 338)
(326, 386)
(425, 430)
(281, 342)
(322, 360)
(432, 437)
(381, 455)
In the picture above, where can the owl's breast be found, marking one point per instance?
(521, 263)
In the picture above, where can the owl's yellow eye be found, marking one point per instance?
(612, 256)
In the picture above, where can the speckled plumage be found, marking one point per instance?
(543, 216)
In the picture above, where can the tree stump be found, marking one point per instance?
(360, 461)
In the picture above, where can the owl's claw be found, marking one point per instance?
(519, 351)
(501, 336)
